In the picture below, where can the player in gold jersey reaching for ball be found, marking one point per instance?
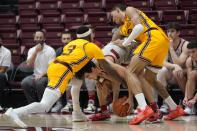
(75, 56)
(148, 56)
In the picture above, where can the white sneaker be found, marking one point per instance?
(13, 117)
(1, 109)
(79, 117)
(190, 111)
(90, 109)
(57, 107)
(68, 108)
(164, 108)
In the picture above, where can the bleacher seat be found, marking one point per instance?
(47, 7)
(180, 16)
(103, 34)
(97, 18)
(93, 5)
(73, 18)
(141, 4)
(26, 6)
(188, 31)
(70, 6)
(155, 16)
(166, 4)
(188, 4)
(194, 16)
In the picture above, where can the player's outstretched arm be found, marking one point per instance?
(111, 72)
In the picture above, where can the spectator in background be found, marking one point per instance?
(66, 37)
(191, 63)
(39, 57)
(174, 65)
(5, 62)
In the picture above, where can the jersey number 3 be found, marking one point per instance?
(70, 49)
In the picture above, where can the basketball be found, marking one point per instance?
(119, 109)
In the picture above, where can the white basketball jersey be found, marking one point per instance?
(120, 55)
(178, 50)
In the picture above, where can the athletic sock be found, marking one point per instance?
(141, 101)
(171, 103)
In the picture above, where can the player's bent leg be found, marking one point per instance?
(49, 98)
(133, 72)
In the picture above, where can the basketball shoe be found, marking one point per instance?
(91, 108)
(142, 115)
(156, 117)
(174, 113)
(68, 108)
(100, 116)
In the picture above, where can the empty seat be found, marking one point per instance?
(70, 6)
(140, 4)
(46, 7)
(166, 4)
(194, 16)
(155, 16)
(188, 31)
(97, 18)
(93, 5)
(188, 4)
(180, 16)
(103, 34)
(74, 18)
(7, 19)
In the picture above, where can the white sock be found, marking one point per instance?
(49, 98)
(141, 101)
(171, 103)
(76, 85)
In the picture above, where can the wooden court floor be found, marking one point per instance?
(62, 122)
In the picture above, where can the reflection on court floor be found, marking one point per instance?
(62, 122)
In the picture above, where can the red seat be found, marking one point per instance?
(180, 16)
(141, 4)
(74, 18)
(7, 19)
(93, 5)
(188, 31)
(70, 6)
(194, 16)
(155, 16)
(188, 4)
(103, 34)
(97, 18)
(47, 7)
(166, 4)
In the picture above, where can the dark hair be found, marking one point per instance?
(83, 29)
(192, 44)
(1, 36)
(66, 32)
(90, 26)
(86, 69)
(43, 32)
(173, 25)
(120, 6)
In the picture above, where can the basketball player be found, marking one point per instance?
(117, 56)
(149, 55)
(173, 68)
(75, 55)
(191, 63)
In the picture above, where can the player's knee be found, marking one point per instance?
(45, 107)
